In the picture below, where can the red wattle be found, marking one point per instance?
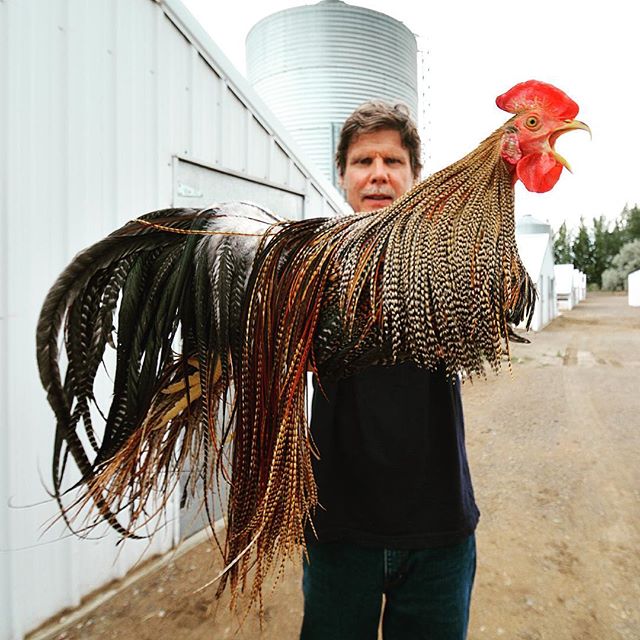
(538, 172)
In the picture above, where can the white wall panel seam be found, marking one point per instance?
(164, 160)
(154, 81)
(69, 179)
(7, 620)
(246, 151)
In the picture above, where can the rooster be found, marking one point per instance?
(255, 302)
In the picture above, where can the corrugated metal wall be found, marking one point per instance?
(314, 64)
(99, 101)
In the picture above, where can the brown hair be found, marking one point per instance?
(373, 116)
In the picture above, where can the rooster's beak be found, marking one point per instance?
(568, 125)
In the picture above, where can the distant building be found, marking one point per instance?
(535, 245)
(571, 286)
(579, 285)
(633, 287)
(314, 64)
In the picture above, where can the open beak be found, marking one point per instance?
(569, 125)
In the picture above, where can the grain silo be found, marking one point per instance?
(314, 64)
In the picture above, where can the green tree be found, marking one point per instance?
(631, 223)
(616, 238)
(605, 245)
(582, 249)
(562, 245)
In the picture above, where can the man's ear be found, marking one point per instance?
(341, 180)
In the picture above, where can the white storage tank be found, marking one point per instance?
(633, 282)
(313, 65)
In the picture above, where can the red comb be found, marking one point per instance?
(534, 94)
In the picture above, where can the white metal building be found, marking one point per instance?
(108, 109)
(314, 64)
(571, 286)
(579, 285)
(633, 288)
(535, 245)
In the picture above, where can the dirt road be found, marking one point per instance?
(553, 450)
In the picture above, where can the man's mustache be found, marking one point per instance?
(378, 191)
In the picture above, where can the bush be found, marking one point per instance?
(613, 280)
(626, 262)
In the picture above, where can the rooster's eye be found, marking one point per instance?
(532, 122)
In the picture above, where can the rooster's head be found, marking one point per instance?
(542, 114)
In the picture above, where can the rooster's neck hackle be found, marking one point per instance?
(435, 278)
(441, 265)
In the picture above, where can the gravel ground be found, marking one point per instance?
(553, 450)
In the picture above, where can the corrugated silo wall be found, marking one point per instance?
(108, 109)
(313, 65)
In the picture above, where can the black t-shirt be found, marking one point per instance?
(393, 468)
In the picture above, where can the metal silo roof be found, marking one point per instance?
(314, 64)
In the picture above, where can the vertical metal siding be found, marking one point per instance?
(207, 89)
(297, 178)
(176, 51)
(6, 568)
(96, 100)
(259, 152)
(315, 201)
(279, 164)
(234, 133)
(75, 113)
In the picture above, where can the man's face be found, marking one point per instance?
(377, 171)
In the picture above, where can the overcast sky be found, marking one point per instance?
(476, 50)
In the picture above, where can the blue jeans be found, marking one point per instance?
(427, 592)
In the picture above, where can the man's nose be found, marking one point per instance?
(379, 171)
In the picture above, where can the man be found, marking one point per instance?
(397, 512)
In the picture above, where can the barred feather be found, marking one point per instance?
(256, 302)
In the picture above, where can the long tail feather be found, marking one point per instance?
(435, 279)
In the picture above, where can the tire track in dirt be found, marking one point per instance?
(605, 505)
(557, 479)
